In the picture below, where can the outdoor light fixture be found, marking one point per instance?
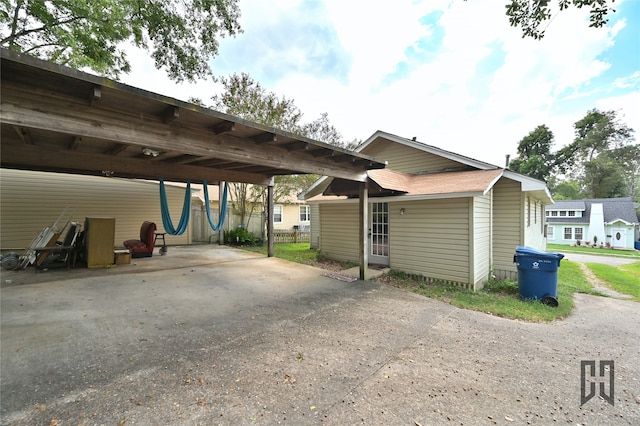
(402, 210)
(150, 152)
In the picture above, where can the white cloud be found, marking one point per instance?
(456, 98)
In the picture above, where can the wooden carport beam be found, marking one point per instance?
(169, 114)
(76, 162)
(23, 134)
(45, 115)
(225, 127)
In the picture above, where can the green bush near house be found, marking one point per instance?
(241, 237)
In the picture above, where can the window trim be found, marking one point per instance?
(307, 213)
(564, 233)
(275, 215)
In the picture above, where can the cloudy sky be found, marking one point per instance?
(452, 73)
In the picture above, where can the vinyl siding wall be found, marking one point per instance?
(507, 226)
(481, 247)
(339, 238)
(402, 158)
(431, 238)
(534, 222)
(29, 201)
(315, 226)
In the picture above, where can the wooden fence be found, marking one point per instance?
(288, 236)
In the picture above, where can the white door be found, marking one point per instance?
(619, 237)
(379, 234)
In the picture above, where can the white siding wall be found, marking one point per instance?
(431, 238)
(402, 158)
(507, 226)
(315, 226)
(534, 223)
(31, 200)
(339, 231)
(481, 247)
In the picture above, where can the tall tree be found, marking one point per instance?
(602, 159)
(244, 97)
(598, 133)
(534, 154)
(181, 36)
(531, 15)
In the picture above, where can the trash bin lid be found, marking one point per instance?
(530, 251)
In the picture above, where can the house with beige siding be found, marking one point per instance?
(31, 200)
(431, 212)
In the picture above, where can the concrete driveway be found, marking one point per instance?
(233, 338)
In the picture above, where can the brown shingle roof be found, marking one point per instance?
(436, 183)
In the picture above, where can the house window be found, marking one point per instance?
(563, 213)
(554, 213)
(304, 213)
(550, 232)
(277, 213)
(571, 213)
(577, 232)
(568, 233)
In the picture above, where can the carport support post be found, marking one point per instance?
(364, 230)
(270, 219)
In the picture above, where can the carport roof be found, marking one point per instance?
(59, 119)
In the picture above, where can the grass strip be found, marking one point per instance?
(501, 297)
(623, 279)
(633, 254)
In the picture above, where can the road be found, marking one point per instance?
(607, 260)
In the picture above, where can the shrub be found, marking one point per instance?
(241, 237)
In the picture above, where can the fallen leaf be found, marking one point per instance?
(288, 378)
(313, 407)
(507, 418)
(122, 421)
(54, 422)
(201, 402)
(201, 380)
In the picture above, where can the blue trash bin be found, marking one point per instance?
(538, 274)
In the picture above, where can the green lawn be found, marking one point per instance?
(595, 251)
(501, 297)
(623, 279)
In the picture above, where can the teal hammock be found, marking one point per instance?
(223, 208)
(186, 210)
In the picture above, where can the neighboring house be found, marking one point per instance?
(610, 222)
(432, 212)
(291, 213)
(31, 200)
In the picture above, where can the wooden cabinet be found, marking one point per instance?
(100, 235)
